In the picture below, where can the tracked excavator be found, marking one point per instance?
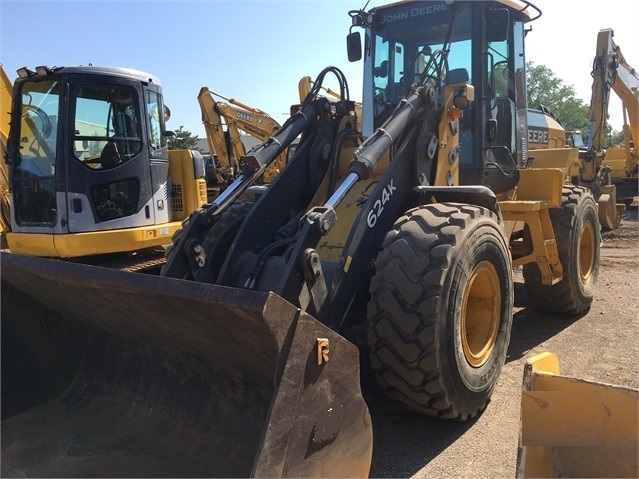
(223, 122)
(624, 80)
(393, 245)
(611, 173)
(86, 171)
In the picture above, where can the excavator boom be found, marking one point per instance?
(611, 173)
(224, 121)
(6, 91)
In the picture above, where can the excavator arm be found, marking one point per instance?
(600, 171)
(6, 89)
(220, 143)
(611, 72)
(224, 122)
(626, 85)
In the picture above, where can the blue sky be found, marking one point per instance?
(256, 51)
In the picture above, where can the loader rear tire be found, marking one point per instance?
(441, 309)
(578, 235)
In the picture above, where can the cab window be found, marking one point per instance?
(107, 120)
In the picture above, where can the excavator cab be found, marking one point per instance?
(87, 153)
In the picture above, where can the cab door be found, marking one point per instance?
(108, 178)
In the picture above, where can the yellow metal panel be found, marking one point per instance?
(544, 185)
(181, 171)
(573, 427)
(96, 242)
(31, 244)
(559, 158)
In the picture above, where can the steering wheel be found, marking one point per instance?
(436, 67)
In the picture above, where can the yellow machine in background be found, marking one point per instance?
(612, 174)
(621, 160)
(552, 147)
(573, 427)
(6, 90)
(223, 123)
(305, 86)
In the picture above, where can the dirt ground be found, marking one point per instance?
(601, 345)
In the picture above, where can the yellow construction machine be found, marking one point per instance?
(242, 357)
(224, 123)
(86, 170)
(611, 173)
(305, 85)
(6, 90)
(551, 146)
(574, 427)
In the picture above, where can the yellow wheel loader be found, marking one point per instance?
(242, 357)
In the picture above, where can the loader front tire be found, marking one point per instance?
(578, 236)
(222, 233)
(218, 239)
(441, 309)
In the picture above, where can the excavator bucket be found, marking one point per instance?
(609, 211)
(110, 374)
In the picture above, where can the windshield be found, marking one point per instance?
(34, 179)
(106, 116)
(416, 43)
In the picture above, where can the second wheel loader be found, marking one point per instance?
(242, 357)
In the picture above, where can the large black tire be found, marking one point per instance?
(441, 309)
(221, 235)
(578, 235)
(218, 239)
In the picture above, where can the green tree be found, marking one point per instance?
(544, 88)
(183, 140)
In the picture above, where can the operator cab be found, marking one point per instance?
(450, 42)
(87, 150)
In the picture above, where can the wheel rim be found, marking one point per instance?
(480, 314)
(586, 252)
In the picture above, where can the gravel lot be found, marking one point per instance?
(601, 345)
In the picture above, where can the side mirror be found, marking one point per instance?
(497, 23)
(169, 133)
(354, 46)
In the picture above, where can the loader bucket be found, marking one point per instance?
(111, 374)
(573, 427)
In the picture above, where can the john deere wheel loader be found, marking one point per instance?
(240, 358)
